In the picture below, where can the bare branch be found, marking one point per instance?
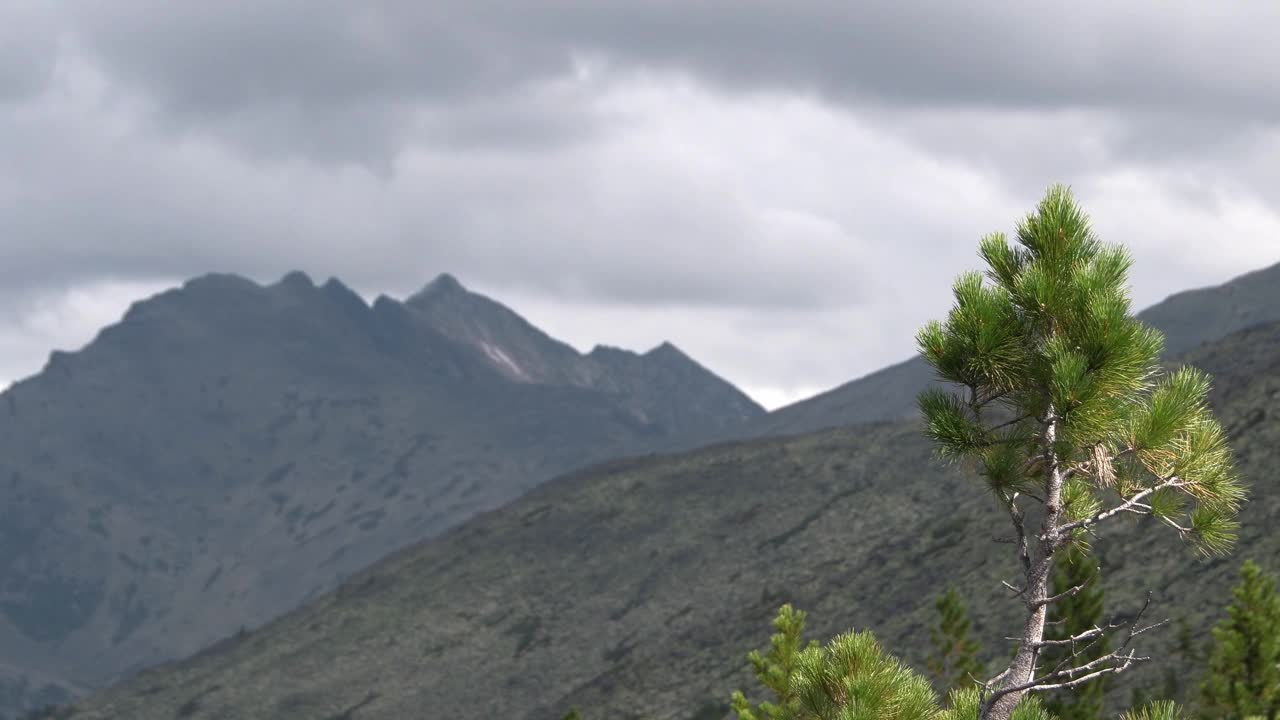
(1087, 634)
(1126, 506)
(1128, 660)
(1066, 675)
(1070, 592)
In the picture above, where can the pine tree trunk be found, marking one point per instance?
(1023, 667)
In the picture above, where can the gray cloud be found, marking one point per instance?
(299, 62)
(785, 190)
(28, 48)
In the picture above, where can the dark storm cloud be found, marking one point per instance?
(333, 79)
(298, 63)
(1171, 55)
(728, 174)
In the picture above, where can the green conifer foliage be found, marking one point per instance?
(850, 678)
(1064, 411)
(955, 655)
(777, 669)
(1071, 616)
(853, 678)
(1244, 663)
(1162, 710)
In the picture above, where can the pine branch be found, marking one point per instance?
(1114, 662)
(1129, 505)
(1070, 592)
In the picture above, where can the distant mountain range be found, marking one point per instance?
(636, 588)
(1187, 319)
(228, 450)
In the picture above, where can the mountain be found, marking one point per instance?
(229, 450)
(634, 589)
(664, 386)
(1187, 319)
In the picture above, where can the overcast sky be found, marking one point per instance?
(782, 189)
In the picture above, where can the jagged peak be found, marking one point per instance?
(213, 285)
(610, 351)
(444, 285)
(296, 279)
(385, 303)
(667, 350)
(337, 292)
(334, 285)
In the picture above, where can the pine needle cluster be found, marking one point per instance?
(1047, 334)
(850, 678)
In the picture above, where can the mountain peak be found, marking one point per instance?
(667, 351)
(296, 280)
(607, 351)
(444, 284)
(219, 282)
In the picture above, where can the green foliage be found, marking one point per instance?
(776, 670)
(1244, 663)
(572, 715)
(963, 705)
(1070, 617)
(955, 655)
(851, 678)
(1162, 710)
(1063, 402)
(1047, 335)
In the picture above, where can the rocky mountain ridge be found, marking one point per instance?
(229, 450)
(634, 589)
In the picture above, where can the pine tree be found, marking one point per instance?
(1244, 664)
(850, 678)
(853, 678)
(955, 660)
(777, 669)
(1065, 413)
(1071, 616)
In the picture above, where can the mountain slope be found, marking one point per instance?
(664, 386)
(229, 450)
(634, 589)
(1187, 319)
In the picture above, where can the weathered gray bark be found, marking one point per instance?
(1037, 568)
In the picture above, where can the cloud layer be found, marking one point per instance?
(785, 191)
